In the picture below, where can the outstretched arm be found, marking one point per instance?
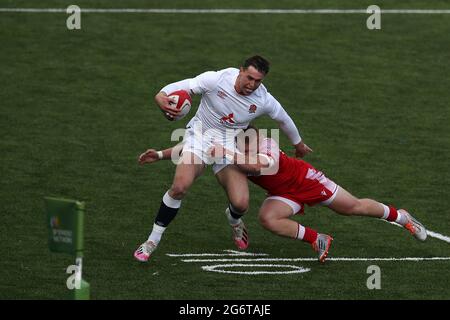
(152, 155)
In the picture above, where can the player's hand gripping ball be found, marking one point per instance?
(180, 100)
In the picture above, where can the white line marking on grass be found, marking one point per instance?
(341, 259)
(438, 236)
(296, 269)
(233, 11)
(429, 232)
(244, 253)
(252, 261)
(231, 254)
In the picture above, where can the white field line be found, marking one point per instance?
(429, 233)
(234, 11)
(438, 236)
(237, 254)
(342, 259)
(295, 269)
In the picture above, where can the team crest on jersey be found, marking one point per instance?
(221, 94)
(252, 108)
(227, 119)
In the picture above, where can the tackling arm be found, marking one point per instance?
(247, 163)
(152, 155)
(260, 161)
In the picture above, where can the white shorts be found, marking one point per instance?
(199, 143)
(217, 167)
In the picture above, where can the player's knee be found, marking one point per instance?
(267, 221)
(240, 205)
(178, 190)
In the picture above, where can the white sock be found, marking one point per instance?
(156, 234)
(232, 220)
(402, 219)
(301, 232)
(171, 202)
(386, 211)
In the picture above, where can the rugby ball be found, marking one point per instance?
(180, 100)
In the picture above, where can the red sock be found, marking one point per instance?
(392, 214)
(306, 234)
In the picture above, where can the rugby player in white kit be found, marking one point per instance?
(231, 99)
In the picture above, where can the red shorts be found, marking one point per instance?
(313, 189)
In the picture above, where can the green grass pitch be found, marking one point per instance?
(76, 109)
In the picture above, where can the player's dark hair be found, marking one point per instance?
(259, 63)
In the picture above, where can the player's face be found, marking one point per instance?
(249, 80)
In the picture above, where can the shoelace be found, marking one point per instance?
(148, 248)
(240, 233)
(141, 250)
(238, 230)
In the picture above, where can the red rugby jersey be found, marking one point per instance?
(291, 171)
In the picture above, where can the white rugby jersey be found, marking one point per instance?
(221, 107)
